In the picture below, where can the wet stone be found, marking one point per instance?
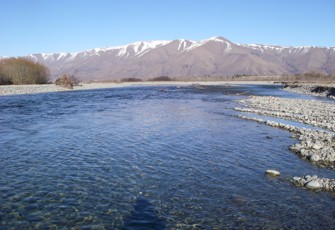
(272, 172)
(313, 184)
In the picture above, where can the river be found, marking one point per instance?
(144, 157)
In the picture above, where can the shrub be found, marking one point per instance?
(22, 71)
(161, 78)
(4, 80)
(131, 79)
(67, 81)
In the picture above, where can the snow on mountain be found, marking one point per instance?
(215, 56)
(135, 49)
(266, 47)
(212, 39)
(53, 57)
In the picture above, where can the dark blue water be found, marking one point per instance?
(150, 158)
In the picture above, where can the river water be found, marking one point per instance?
(148, 157)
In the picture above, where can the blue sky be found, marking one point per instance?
(46, 26)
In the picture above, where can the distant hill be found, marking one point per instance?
(185, 59)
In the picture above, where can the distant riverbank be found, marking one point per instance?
(315, 89)
(48, 88)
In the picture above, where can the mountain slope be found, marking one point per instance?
(215, 56)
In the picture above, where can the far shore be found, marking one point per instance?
(48, 88)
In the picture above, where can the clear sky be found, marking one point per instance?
(46, 26)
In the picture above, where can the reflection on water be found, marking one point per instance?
(146, 158)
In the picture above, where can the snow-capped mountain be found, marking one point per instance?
(215, 56)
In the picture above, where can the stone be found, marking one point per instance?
(316, 146)
(315, 158)
(313, 184)
(308, 143)
(272, 172)
(296, 178)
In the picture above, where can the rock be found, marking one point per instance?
(307, 177)
(309, 144)
(313, 184)
(296, 178)
(316, 146)
(315, 158)
(272, 172)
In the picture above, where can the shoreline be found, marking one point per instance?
(6, 90)
(314, 89)
(315, 145)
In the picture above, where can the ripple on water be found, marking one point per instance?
(140, 157)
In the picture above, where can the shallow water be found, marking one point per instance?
(150, 158)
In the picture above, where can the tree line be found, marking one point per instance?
(20, 71)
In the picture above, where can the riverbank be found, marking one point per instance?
(315, 89)
(50, 88)
(316, 145)
(33, 89)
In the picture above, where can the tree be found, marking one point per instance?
(22, 71)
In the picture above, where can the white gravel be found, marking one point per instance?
(33, 89)
(28, 89)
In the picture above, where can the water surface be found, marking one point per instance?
(162, 157)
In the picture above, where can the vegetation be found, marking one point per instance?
(67, 81)
(162, 78)
(303, 77)
(19, 71)
(130, 79)
(310, 77)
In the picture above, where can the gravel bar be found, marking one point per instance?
(317, 146)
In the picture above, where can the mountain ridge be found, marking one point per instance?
(181, 58)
